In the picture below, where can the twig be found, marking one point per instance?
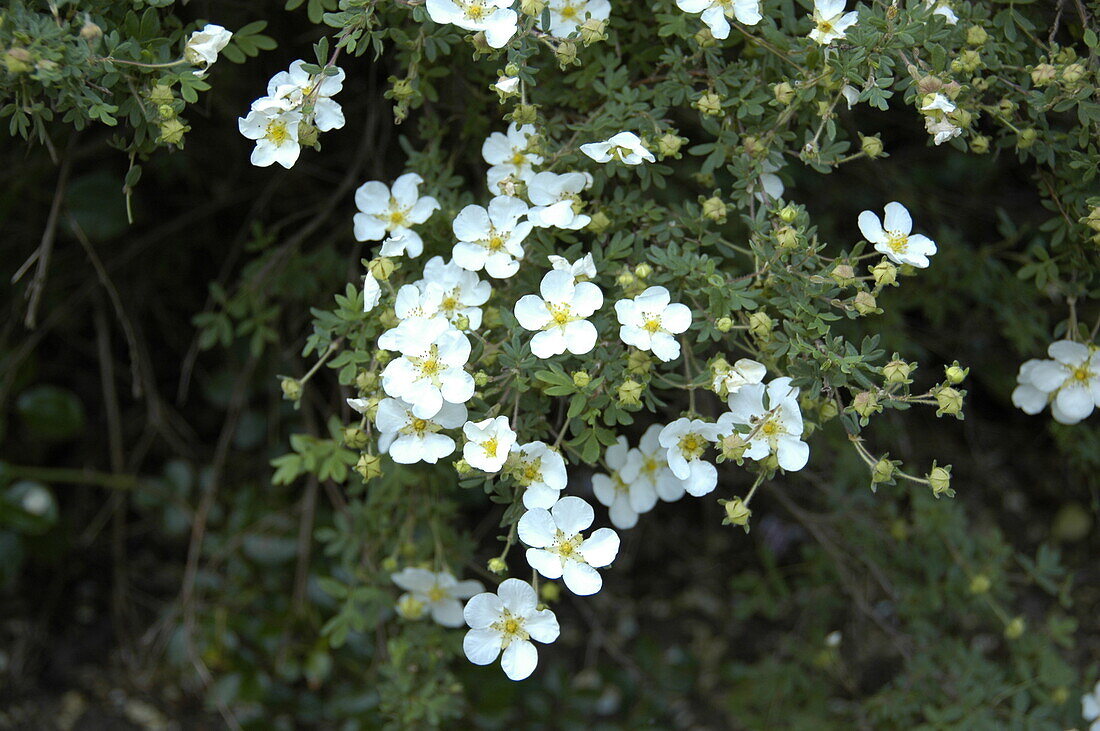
(45, 245)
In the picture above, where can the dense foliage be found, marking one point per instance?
(205, 502)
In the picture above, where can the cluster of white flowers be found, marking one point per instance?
(298, 105)
(936, 122)
(892, 236)
(1069, 382)
(204, 45)
(638, 477)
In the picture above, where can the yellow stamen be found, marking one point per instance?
(277, 132)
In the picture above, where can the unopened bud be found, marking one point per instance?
(724, 324)
(871, 146)
(705, 38)
(593, 31)
(409, 607)
(843, 274)
(709, 103)
(481, 379)
(381, 268)
(525, 114)
(979, 144)
(532, 8)
(897, 371)
(668, 145)
(760, 325)
(292, 389)
(90, 31)
(581, 379)
(788, 214)
(940, 481)
(1015, 629)
(599, 223)
(980, 584)
(884, 273)
(172, 131)
(976, 35)
(786, 237)
(737, 513)
(463, 467)
(355, 438)
(638, 362)
(550, 592)
(733, 447)
(784, 93)
(498, 566)
(18, 60)
(865, 303)
(307, 134)
(950, 401)
(1073, 74)
(566, 53)
(1026, 138)
(630, 393)
(643, 270)
(955, 373)
(865, 403)
(369, 466)
(1043, 74)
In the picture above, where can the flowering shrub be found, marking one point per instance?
(594, 277)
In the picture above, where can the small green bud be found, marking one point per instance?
(961, 117)
(1006, 106)
(549, 592)
(525, 114)
(828, 410)
(784, 93)
(940, 480)
(976, 35)
(871, 146)
(630, 393)
(1060, 695)
(865, 303)
(625, 279)
(786, 237)
(1026, 138)
(638, 362)
(733, 447)
(897, 371)
(532, 8)
(581, 379)
(1015, 629)
(166, 111)
(307, 134)
(409, 607)
(955, 373)
(463, 467)
(788, 214)
(18, 60)
(161, 94)
(883, 471)
(381, 268)
(705, 38)
(355, 438)
(600, 222)
(369, 466)
(760, 325)
(643, 270)
(865, 403)
(724, 324)
(885, 273)
(402, 90)
(950, 401)
(498, 566)
(481, 379)
(172, 131)
(90, 31)
(843, 274)
(292, 389)
(979, 144)
(1073, 74)
(366, 380)
(389, 564)
(709, 103)
(668, 145)
(737, 513)
(1043, 74)
(462, 322)
(566, 53)
(593, 31)
(714, 209)
(980, 584)
(1093, 219)
(387, 318)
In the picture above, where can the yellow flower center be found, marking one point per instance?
(435, 594)
(770, 428)
(476, 11)
(449, 303)
(496, 243)
(566, 547)
(650, 465)
(490, 446)
(510, 627)
(652, 325)
(898, 243)
(1082, 374)
(532, 472)
(692, 446)
(560, 314)
(519, 159)
(568, 12)
(277, 132)
(825, 26)
(429, 367)
(397, 218)
(419, 425)
(617, 482)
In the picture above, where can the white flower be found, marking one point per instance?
(491, 239)
(625, 147)
(461, 293)
(625, 498)
(831, 21)
(495, 17)
(384, 211)
(508, 621)
(440, 593)
(651, 322)
(772, 429)
(506, 86)
(891, 236)
(410, 439)
(542, 473)
(558, 549)
(1090, 708)
(558, 317)
(372, 292)
(505, 152)
(413, 306)
(294, 88)
(581, 269)
(430, 369)
(567, 15)
(850, 94)
(276, 133)
(771, 185)
(742, 373)
(716, 12)
(488, 443)
(685, 441)
(204, 45)
(649, 464)
(556, 200)
(944, 10)
(935, 119)
(1071, 382)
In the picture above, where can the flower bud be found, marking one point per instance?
(172, 131)
(885, 273)
(161, 94)
(166, 111)
(409, 607)
(737, 513)
(381, 268)
(525, 114)
(788, 214)
(625, 279)
(786, 237)
(630, 393)
(402, 89)
(865, 303)
(828, 410)
(369, 466)
(784, 93)
(292, 389)
(897, 371)
(1015, 629)
(1006, 106)
(980, 584)
(714, 209)
(18, 60)
(950, 401)
(940, 480)
(1060, 695)
(643, 270)
(307, 134)
(638, 362)
(462, 322)
(724, 324)
(532, 8)
(733, 447)
(843, 274)
(1093, 219)
(1073, 74)
(705, 38)
(865, 403)
(709, 103)
(463, 467)
(1026, 138)
(90, 31)
(955, 373)
(961, 117)
(387, 318)
(366, 380)
(668, 145)
(355, 438)
(1043, 74)
(976, 35)
(550, 592)
(979, 144)
(599, 223)
(871, 146)
(592, 31)
(481, 379)
(883, 471)
(760, 325)
(498, 566)
(581, 379)
(566, 53)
